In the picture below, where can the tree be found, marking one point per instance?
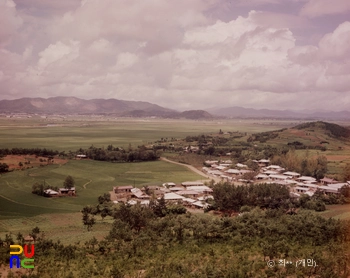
(69, 182)
(88, 220)
(105, 198)
(35, 233)
(346, 173)
(4, 168)
(38, 189)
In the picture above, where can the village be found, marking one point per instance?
(296, 183)
(197, 195)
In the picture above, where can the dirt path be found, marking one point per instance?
(193, 169)
(84, 186)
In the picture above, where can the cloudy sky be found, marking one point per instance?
(182, 54)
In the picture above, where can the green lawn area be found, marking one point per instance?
(93, 178)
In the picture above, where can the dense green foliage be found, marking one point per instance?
(305, 165)
(4, 168)
(29, 151)
(262, 137)
(140, 244)
(115, 154)
(232, 197)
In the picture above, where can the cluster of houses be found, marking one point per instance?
(60, 193)
(223, 170)
(190, 194)
(297, 183)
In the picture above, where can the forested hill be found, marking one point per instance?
(312, 134)
(334, 130)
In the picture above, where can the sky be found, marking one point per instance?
(183, 54)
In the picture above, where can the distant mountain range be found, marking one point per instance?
(123, 108)
(73, 105)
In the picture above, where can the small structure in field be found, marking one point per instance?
(81, 156)
(51, 193)
(67, 191)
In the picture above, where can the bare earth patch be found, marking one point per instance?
(337, 157)
(29, 161)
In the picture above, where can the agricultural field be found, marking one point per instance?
(66, 227)
(92, 178)
(72, 133)
(60, 218)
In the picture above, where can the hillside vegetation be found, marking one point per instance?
(333, 130)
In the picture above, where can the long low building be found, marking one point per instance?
(173, 196)
(192, 183)
(201, 189)
(337, 185)
(292, 174)
(279, 177)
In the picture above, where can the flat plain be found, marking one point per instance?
(72, 133)
(60, 218)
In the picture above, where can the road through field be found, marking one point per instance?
(193, 169)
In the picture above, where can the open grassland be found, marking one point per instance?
(66, 227)
(93, 178)
(73, 133)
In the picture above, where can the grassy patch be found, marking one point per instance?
(93, 178)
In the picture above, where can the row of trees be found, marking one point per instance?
(113, 154)
(29, 151)
(228, 196)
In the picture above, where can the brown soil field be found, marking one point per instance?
(337, 157)
(28, 161)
